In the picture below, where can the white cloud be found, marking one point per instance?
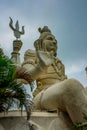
(76, 67)
(77, 71)
(73, 69)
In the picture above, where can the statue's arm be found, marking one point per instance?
(29, 75)
(45, 59)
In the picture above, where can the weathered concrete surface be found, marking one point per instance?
(13, 120)
(41, 120)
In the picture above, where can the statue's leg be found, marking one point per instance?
(37, 101)
(69, 96)
(75, 100)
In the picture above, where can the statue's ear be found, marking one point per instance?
(36, 43)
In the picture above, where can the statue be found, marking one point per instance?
(58, 92)
(17, 44)
(16, 31)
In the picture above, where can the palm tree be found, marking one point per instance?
(11, 90)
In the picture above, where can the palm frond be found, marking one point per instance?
(11, 90)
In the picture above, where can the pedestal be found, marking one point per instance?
(15, 55)
(13, 120)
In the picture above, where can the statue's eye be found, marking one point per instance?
(49, 38)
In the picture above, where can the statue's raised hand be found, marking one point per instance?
(45, 57)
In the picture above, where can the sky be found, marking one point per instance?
(67, 20)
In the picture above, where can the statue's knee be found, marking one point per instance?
(72, 87)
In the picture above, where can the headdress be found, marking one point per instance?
(44, 29)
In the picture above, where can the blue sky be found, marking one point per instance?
(67, 20)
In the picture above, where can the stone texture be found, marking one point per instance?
(1, 127)
(40, 120)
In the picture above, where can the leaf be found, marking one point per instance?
(84, 116)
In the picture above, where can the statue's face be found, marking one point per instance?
(50, 43)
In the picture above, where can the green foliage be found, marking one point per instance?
(11, 89)
(7, 70)
(80, 126)
(84, 116)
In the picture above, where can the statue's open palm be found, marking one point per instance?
(45, 58)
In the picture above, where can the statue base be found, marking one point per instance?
(14, 120)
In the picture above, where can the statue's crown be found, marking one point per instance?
(44, 29)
